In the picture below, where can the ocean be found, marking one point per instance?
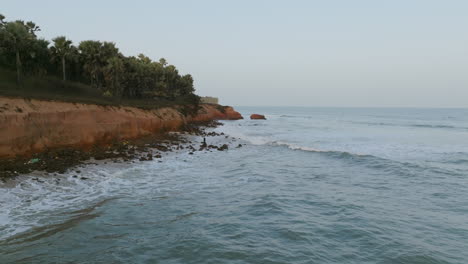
(307, 185)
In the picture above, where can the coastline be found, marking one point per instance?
(53, 136)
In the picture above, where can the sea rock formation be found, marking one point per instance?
(30, 126)
(257, 116)
(210, 112)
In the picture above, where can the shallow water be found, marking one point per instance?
(311, 185)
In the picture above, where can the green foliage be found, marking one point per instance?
(94, 64)
(62, 49)
(18, 38)
(53, 88)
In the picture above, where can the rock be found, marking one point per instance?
(223, 147)
(231, 114)
(257, 116)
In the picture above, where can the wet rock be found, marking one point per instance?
(257, 117)
(37, 179)
(223, 147)
(59, 160)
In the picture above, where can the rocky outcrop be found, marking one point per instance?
(257, 116)
(210, 112)
(29, 126)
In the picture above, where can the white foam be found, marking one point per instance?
(238, 132)
(34, 200)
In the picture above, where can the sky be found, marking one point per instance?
(360, 53)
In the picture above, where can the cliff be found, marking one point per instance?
(30, 126)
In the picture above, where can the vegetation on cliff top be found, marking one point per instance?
(90, 72)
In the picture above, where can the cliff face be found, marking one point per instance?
(29, 126)
(210, 112)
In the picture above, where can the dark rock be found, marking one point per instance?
(223, 147)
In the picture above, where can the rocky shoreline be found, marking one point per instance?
(28, 127)
(148, 148)
(52, 136)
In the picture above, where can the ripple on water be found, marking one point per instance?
(262, 203)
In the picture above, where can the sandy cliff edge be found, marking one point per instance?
(31, 126)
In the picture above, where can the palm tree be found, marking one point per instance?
(62, 48)
(16, 35)
(112, 74)
(90, 51)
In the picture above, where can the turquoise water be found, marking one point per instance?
(310, 185)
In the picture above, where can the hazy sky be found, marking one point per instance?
(308, 53)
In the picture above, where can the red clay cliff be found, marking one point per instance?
(30, 126)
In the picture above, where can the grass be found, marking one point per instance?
(54, 89)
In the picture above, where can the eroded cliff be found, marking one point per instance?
(30, 126)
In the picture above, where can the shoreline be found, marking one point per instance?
(52, 136)
(150, 148)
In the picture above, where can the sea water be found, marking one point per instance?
(308, 185)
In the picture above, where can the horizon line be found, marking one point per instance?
(393, 107)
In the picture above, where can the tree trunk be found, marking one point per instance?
(18, 68)
(63, 69)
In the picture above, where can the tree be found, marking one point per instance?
(97, 63)
(171, 74)
(31, 27)
(185, 85)
(112, 74)
(38, 60)
(62, 48)
(90, 52)
(3, 47)
(163, 62)
(18, 37)
(95, 55)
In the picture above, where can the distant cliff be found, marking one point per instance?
(30, 126)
